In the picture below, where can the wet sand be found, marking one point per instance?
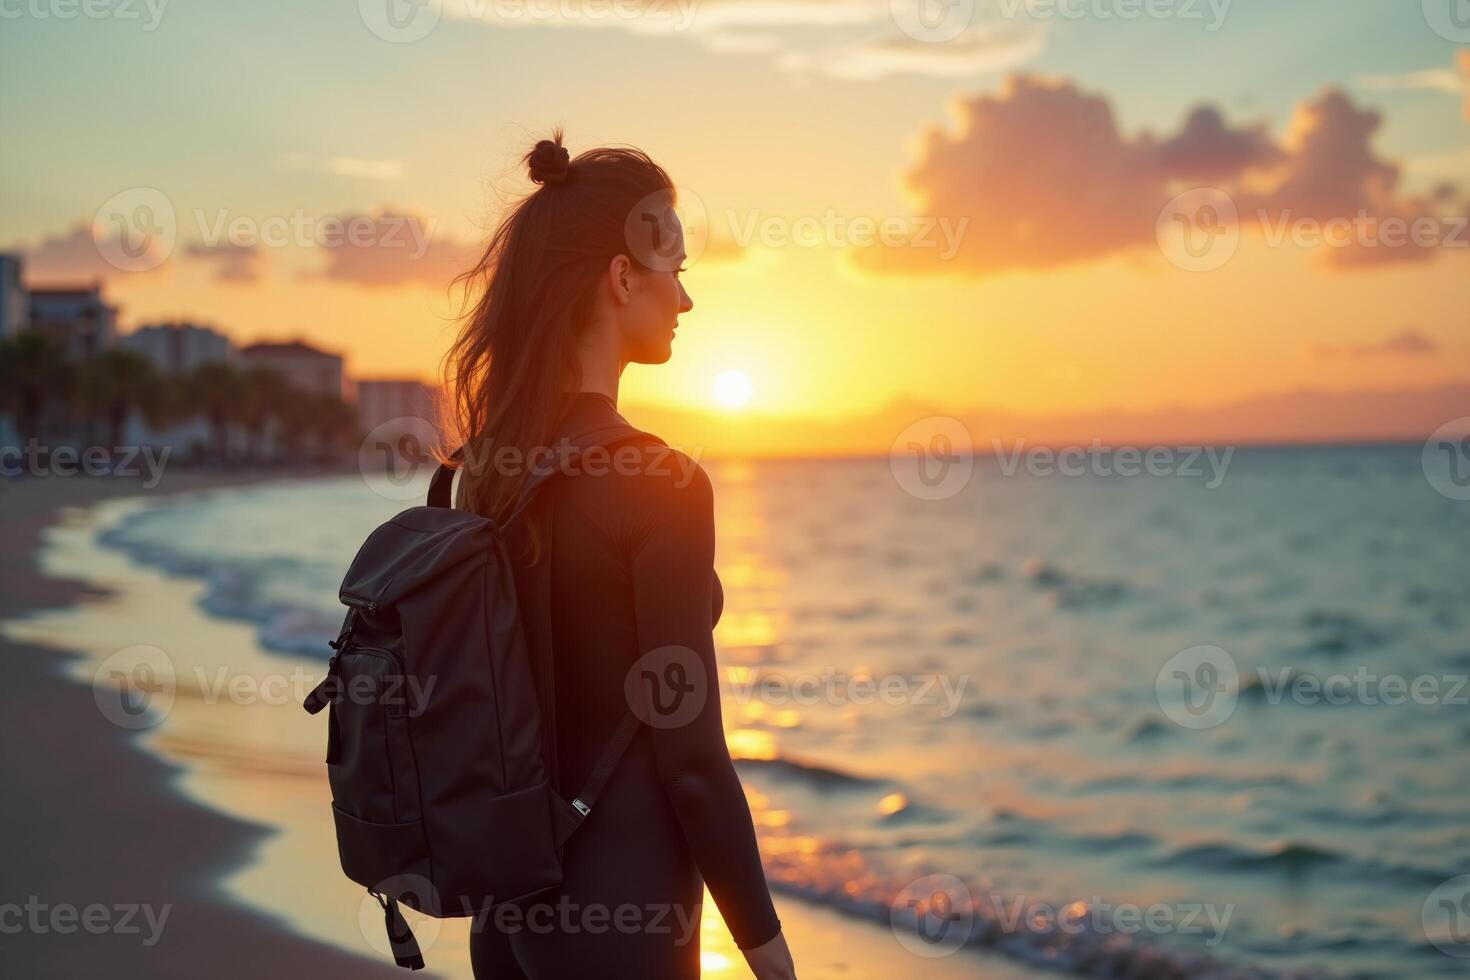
(92, 822)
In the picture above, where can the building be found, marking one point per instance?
(15, 303)
(400, 420)
(384, 400)
(302, 365)
(178, 348)
(78, 317)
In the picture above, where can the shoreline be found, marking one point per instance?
(157, 850)
(231, 846)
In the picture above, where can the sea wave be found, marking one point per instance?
(236, 587)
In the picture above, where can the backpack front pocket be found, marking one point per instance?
(371, 764)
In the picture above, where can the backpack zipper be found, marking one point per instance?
(358, 601)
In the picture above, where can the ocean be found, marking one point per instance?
(1198, 725)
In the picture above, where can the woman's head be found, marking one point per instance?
(583, 269)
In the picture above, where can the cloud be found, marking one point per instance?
(233, 263)
(1044, 177)
(77, 256)
(1451, 81)
(1207, 149)
(1440, 167)
(855, 40)
(982, 50)
(1330, 173)
(1427, 80)
(667, 17)
(391, 249)
(356, 167)
(1407, 342)
(1329, 169)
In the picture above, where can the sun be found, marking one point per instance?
(732, 389)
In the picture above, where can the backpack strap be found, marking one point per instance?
(543, 658)
(606, 763)
(595, 438)
(443, 479)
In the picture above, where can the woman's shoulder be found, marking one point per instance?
(659, 470)
(641, 489)
(643, 477)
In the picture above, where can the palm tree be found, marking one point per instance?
(168, 403)
(263, 392)
(297, 414)
(335, 425)
(33, 373)
(111, 385)
(216, 391)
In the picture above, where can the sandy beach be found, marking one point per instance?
(198, 845)
(94, 822)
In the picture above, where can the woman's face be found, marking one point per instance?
(656, 298)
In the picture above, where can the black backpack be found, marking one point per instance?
(442, 773)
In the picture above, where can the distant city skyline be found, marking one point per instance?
(174, 345)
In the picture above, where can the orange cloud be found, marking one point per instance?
(1330, 173)
(1043, 175)
(1207, 149)
(1328, 168)
(1044, 178)
(79, 255)
(1408, 342)
(392, 249)
(985, 48)
(234, 263)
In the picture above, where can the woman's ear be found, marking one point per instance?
(618, 278)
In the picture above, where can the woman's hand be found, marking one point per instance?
(771, 961)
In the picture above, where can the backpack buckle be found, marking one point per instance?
(581, 807)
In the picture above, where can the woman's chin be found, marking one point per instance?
(658, 356)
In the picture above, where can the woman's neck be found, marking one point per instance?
(601, 388)
(600, 370)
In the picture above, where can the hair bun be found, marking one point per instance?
(550, 163)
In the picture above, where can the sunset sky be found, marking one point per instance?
(1050, 140)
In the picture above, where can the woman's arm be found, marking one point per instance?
(673, 572)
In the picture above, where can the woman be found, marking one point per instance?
(580, 280)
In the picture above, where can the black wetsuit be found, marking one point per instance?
(633, 571)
